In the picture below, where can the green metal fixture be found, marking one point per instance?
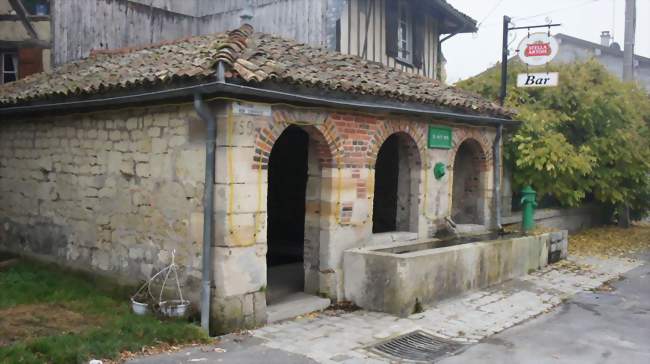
(439, 170)
(528, 203)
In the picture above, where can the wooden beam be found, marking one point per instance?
(23, 15)
(9, 17)
(30, 43)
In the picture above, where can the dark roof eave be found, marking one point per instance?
(373, 104)
(465, 23)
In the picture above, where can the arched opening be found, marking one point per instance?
(468, 184)
(287, 176)
(397, 182)
(294, 200)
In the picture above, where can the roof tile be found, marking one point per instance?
(253, 57)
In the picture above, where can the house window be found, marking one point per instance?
(37, 7)
(404, 32)
(9, 63)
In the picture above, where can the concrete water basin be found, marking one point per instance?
(393, 277)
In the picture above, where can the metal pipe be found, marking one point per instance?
(208, 207)
(496, 152)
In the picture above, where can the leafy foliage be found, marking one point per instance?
(588, 137)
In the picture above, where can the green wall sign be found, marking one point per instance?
(439, 137)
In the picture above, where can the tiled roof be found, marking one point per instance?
(251, 57)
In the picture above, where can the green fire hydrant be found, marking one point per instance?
(528, 203)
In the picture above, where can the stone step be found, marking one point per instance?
(295, 304)
(283, 280)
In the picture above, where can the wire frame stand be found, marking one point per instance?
(168, 307)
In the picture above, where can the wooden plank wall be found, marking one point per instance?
(354, 35)
(302, 20)
(82, 25)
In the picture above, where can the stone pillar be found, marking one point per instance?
(239, 297)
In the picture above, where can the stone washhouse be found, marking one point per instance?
(103, 165)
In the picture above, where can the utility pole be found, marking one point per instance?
(628, 76)
(628, 49)
(504, 60)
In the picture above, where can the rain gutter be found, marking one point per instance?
(208, 117)
(237, 90)
(496, 152)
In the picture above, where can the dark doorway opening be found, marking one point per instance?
(467, 193)
(287, 178)
(384, 205)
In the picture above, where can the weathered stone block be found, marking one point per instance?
(158, 145)
(249, 197)
(154, 132)
(161, 166)
(236, 230)
(190, 165)
(142, 170)
(238, 271)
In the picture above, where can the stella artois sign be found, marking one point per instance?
(537, 49)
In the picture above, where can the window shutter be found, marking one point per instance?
(390, 14)
(418, 38)
(30, 61)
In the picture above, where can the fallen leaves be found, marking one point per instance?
(610, 241)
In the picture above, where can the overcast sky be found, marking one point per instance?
(469, 54)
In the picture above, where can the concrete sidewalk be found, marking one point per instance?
(333, 337)
(593, 327)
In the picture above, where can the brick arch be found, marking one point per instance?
(468, 201)
(479, 140)
(322, 135)
(386, 129)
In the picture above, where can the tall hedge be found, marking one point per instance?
(587, 138)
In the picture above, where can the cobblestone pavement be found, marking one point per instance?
(341, 338)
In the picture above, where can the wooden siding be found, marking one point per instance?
(363, 27)
(302, 20)
(83, 25)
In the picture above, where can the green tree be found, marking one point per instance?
(587, 137)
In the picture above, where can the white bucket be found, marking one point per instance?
(174, 308)
(139, 308)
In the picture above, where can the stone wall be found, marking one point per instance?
(340, 192)
(571, 219)
(113, 192)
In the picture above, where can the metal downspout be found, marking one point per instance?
(208, 200)
(496, 152)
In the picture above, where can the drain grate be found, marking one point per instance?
(417, 346)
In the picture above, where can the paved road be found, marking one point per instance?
(232, 349)
(603, 327)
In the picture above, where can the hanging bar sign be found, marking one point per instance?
(543, 79)
(537, 49)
